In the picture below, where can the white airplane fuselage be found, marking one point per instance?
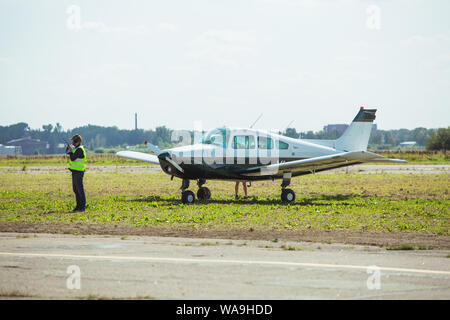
(225, 159)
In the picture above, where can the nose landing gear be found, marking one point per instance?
(188, 197)
(287, 195)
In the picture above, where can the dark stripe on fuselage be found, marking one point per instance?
(219, 170)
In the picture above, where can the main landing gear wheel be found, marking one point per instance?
(187, 197)
(203, 193)
(287, 195)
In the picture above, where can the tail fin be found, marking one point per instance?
(356, 136)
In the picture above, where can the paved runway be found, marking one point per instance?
(67, 266)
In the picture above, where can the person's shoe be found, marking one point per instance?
(246, 197)
(236, 197)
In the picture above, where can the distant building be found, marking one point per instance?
(10, 150)
(340, 128)
(407, 143)
(30, 146)
(59, 148)
(374, 127)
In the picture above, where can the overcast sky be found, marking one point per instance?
(224, 62)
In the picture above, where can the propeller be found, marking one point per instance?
(164, 155)
(169, 159)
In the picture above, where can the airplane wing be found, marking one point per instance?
(138, 156)
(317, 164)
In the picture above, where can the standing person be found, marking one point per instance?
(77, 165)
(236, 189)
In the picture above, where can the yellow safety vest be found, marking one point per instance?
(79, 164)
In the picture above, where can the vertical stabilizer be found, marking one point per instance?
(356, 136)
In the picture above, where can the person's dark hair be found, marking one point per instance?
(76, 138)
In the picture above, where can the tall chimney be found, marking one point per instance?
(135, 121)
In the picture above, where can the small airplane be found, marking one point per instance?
(246, 154)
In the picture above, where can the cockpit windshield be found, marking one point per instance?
(217, 137)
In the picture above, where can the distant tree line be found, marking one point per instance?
(385, 139)
(440, 140)
(95, 137)
(13, 131)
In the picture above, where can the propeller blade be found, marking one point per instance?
(154, 148)
(168, 159)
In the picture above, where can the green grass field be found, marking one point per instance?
(418, 156)
(413, 203)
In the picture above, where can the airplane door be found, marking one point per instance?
(267, 152)
(242, 150)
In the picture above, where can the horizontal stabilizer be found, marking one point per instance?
(138, 156)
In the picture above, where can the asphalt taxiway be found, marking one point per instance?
(73, 266)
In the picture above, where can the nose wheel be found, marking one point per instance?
(287, 195)
(187, 197)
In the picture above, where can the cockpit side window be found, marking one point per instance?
(265, 143)
(243, 142)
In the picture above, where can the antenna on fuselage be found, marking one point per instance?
(288, 125)
(256, 120)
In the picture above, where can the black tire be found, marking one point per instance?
(287, 195)
(203, 193)
(208, 193)
(187, 197)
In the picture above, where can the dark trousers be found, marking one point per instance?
(77, 184)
